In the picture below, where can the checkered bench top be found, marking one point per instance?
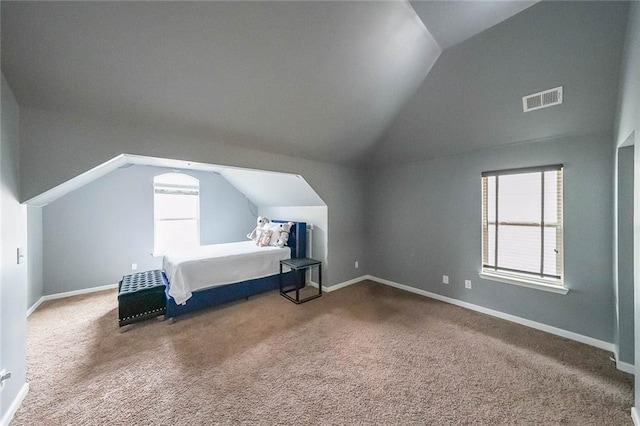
(141, 281)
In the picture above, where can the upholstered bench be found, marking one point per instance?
(141, 296)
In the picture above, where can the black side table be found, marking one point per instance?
(301, 265)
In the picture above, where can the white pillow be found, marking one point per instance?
(275, 233)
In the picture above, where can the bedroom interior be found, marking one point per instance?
(91, 216)
(374, 122)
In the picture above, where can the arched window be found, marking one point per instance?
(176, 212)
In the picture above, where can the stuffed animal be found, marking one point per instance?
(283, 237)
(261, 224)
(265, 238)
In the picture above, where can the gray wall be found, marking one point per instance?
(56, 147)
(13, 277)
(94, 234)
(624, 276)
(35, 288)
(627, 128)
(425, 223)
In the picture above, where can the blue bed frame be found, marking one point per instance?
(214, 296)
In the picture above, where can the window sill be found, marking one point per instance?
(523, 282)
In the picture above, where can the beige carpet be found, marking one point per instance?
(366, 354)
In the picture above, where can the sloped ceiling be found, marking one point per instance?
(452, 22)
(320, 80)
(472, 98)
(262, 188)
(344, 82)
(271, 189)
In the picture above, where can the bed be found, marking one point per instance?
(221, 273)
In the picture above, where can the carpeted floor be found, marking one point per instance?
(366, 354)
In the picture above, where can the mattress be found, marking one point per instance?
(219, 264)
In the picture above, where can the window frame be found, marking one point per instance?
(176, 189)
(542, 281)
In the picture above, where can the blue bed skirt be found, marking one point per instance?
(227, 293)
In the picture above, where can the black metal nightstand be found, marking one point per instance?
(301, 265)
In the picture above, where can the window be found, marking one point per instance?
(176, 207)
(522, 226)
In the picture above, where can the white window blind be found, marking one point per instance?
(176, 207)
(522, 223)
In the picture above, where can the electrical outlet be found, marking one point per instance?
(445, 279)
(134, 266)
(356, 264)
(467, 283)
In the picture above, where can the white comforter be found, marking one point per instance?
(219, 264)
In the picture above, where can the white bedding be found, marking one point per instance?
(218, 264)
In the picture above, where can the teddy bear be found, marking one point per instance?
(261, 224)
(283, 234)
(265, 237)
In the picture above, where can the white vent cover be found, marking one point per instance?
(543, 99)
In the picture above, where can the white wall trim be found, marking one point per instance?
(77, 292)
(35, 306)
(69, 294)
(6, 419)
(339, 285)
(622, 366)
(522, 282)
(518, 320)
(635, 416)
(625, 366)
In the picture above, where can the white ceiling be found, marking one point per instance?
(318, 80)
(345, 82)
(452, 22)
(271, 189)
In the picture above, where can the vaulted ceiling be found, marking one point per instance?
(452, 22)
(360, 83)
(472, 98)
(311, 79)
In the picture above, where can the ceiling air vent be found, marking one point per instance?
(544, 99)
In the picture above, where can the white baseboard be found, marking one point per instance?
(620, 365)
(518, 320)
(635, 416)
(625, 366)
(35, 306)
(8, 416)
(339, 285)
(77, 292)
(69, 294)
